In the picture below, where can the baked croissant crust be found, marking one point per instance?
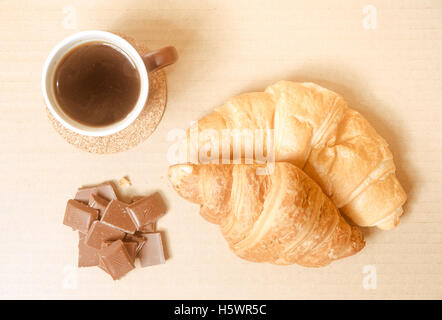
(281, 218)
(314, 129)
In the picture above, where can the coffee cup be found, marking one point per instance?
(142, 64)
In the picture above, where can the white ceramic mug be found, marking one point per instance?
(152, 61)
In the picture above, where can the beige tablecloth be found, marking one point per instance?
(384, 57)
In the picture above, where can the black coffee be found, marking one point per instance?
(96, 84)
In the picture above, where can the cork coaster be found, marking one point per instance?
(135, 133)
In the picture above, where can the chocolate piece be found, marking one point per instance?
(140, 240)
(131, 247)
(99, 203)
(116, 260)
(122, 233)
(100, 232)
(150, 227)
(87, 256)
(147, 210)
(117, 216)
(104, 190)
(79, 216)
(152, 252)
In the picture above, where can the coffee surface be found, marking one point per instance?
(96, 84)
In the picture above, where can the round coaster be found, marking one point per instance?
(135, 133)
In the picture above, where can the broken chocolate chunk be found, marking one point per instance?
(131, 250)
(131, 247)
(100, 232)
(99, 203)
(104, 190)
(147, 210)
(79, 216)
(117, 216)
(116, 260)
(152, 253)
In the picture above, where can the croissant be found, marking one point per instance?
(281, 218)
(314, 129)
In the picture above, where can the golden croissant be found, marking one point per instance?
(282, 217)
(314, 129)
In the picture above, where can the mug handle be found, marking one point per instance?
(160, 58)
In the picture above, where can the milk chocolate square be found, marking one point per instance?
(152, 253)
(100, 232)
(87, 256)
(116, 260)
(131, 250)
(99, 203)
(79, 216)
(131, 247)
(104, 190)
(117, 216)
(147, 210)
